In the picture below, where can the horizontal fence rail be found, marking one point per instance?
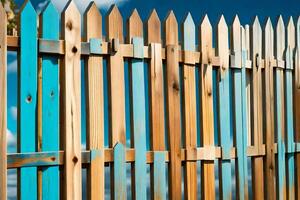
(221, 117)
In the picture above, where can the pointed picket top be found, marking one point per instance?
(27, 10)
(206, 39)
(236, 35)
(189, 34)
(114, 23)
(222, 44)
(2, 8)
(256, 38)
(171, 29)
(153, 28)
(135, 25)
(93, 22)
(268, 40)
(298, 32)
(291, 34)
(50, 22)
(280, 39)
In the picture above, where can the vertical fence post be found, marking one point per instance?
(27, 100)
(190, 109)
(207, 118)
(3, 93)
(289, 55)
(269, 111)
(95, 103)
(135, 36)
(173, 106)
(71, 98)
(224, 107)
(50, 103)
(257, 162)
(281, 172)
(116, 78)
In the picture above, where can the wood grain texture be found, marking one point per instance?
(268, 53)
(256, 53)
(139, 170)
(3, 101)
(173, 106)
(279, 115)
(50, 103)
(190, 109)
(207, 118)
(71, 101)
(224, 107)
(27, 98)
(94, 104)
(289, 55)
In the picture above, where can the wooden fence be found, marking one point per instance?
(203, 107)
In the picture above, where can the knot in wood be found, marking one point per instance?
(53, 158)
(173, 49)
(69, 25)
(175, 86)
(29, 98)
(75, 159)
(74, 49)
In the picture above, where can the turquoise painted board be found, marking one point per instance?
(119, 172)
(280, 139)
(28, 97)
(139, 120)
(160, 191)
(224, 109)
(50, 103)
(290, 124)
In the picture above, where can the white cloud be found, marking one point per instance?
(11, 139)
(82, 4)
(12, 66)
(14, 112)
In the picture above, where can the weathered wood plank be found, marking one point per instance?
(135, 36)
(95, 104)
(119, 172)
(190, 109)
(50, 103)
(207, 118)
(3, 101)
(238, 41)
(71, 101)
(291, 43)
(224, 107)
(27, 100)
(173, 106)
(268, 54)
(256, 53)
(159, 176)
(297, 105)
(279, 51)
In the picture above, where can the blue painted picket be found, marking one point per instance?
(289, 123)
(119, 172)
(159, 163)
(139, 118)
(50, 103)
(28, 97)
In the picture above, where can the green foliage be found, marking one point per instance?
(12, 21)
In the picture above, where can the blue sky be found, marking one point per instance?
(246, 9)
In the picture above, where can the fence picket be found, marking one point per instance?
(207, 118)
(240, 103)
(3, 99)
(297, 105)
(50, 103)
(71, 98)
(159, 176)
(119, 181)
(27, 98)
(190, 121)
(269, 110)
(256, 53)
(135, 36)
(280, 41)
(95, 104)
(173, 106)
(289, 108)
